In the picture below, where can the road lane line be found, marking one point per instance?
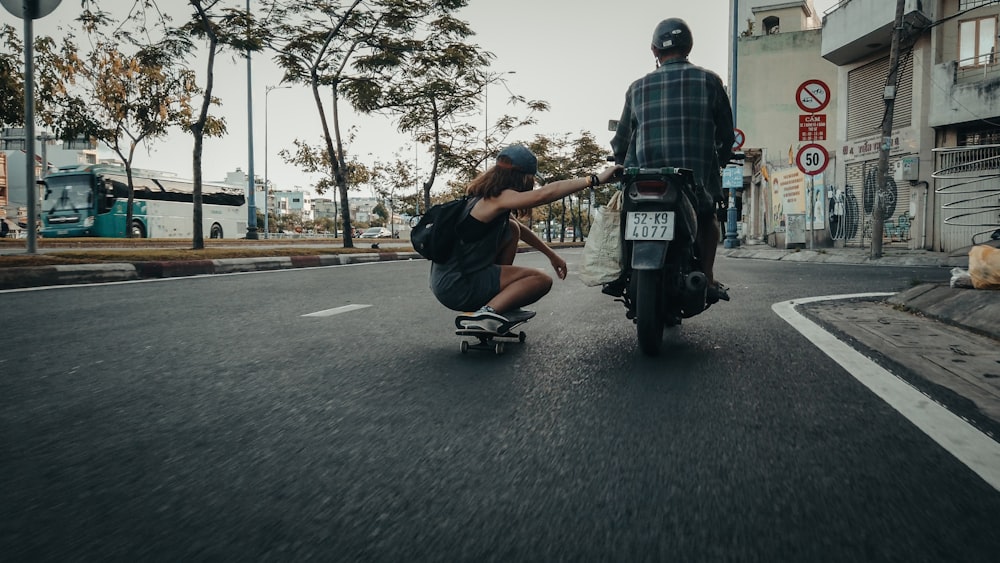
(336, 311)
(976, 450)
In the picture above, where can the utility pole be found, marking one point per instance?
(878, 214)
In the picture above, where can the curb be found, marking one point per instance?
(970, 309)
(17, 278)
(40, 276)
(820, 257)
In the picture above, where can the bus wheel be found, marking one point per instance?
(138, 229)
(216, 231)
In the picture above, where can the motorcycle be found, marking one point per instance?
(663, 281)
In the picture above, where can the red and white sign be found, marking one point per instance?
(812, 159)
(812, 96)
(812, 127)
(740, 139)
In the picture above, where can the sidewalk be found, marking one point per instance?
(890, 256)
(970, 309)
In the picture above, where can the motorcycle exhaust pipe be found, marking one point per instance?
(696, 282)
(695, 293)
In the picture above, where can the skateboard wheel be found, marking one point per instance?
(465, 346)
(499, 348)
(521, 336)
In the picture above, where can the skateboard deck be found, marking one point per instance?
(494, 340)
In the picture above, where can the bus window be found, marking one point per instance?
(67, 193)
(107, 199)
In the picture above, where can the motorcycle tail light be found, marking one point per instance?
(652, 187)
(655, 190)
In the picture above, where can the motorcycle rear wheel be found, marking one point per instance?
(649, 311)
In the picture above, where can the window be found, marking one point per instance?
(977, 42)
(771, 24)
(978, 136)
(970, 4)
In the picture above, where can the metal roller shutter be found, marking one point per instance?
(865, 105)
(859, 201)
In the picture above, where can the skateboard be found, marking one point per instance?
(490, 340)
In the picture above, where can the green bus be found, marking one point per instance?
(91, 201)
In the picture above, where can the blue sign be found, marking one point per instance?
(732, 177)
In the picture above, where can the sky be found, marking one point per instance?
(579, 56)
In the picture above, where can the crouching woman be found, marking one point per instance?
(480, 279)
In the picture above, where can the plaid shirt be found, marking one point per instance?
(677, 115)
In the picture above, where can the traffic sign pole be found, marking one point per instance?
(29, 10)
(732, 239)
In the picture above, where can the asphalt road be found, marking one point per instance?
(208, 418)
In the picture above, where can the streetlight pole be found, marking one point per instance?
(267, 91)
(251, 184)
(416, 175)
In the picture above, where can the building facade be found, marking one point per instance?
(946, 114)
(940, 190)
(779, 51)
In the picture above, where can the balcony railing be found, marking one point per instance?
(975, 69)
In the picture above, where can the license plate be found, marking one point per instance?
(649, 225)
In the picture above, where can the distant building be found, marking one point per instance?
(324, 207)
(780, 49)
(293, 202)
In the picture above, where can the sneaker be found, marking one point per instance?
(519, 313)
(484, 319)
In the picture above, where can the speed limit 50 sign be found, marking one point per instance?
(812, 159)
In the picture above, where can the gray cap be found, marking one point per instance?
(522, 158)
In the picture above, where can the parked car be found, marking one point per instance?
(377, 232)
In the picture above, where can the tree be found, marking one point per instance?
(394, 182)
(352, 50)
(11, 77)
(560, 158)
(315, 159)
(432, 88)
(223, 28)
(316, 50)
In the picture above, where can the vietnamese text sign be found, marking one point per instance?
(812, 127)
(732, 177)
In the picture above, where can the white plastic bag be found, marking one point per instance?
(960, 278)
(602, 253)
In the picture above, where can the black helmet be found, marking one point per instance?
(673, 33)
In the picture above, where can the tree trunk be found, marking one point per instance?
(878, 218)
(337, 159)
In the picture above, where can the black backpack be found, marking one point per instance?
(434, 236)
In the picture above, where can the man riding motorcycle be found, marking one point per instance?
(679, 115)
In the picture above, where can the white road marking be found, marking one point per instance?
(977, 451)
(336, 311)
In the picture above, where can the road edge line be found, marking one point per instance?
(974, 449)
